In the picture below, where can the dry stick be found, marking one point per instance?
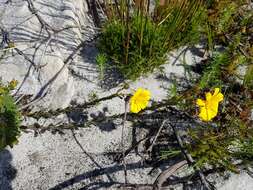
(190, 159)
(48, 114)
(44, 51)
(33, 10)
(66, 110)
(44, 89)
(122, 139)
(89, 155)
(128, 151)
(25, 57)
(239, 47)
(167, 173)
(136, 186)
(157, 134)
(6, 40)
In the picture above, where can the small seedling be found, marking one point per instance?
(101, 60)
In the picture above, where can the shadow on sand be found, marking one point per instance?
(7, 171)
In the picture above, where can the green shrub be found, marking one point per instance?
(137, 42)
(9, 117)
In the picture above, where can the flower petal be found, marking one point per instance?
(216, 91)
(203, 114)
(219, 97)
(133, 108)
(207, 114)
(200, 102)
(208, 96)
(139, 100)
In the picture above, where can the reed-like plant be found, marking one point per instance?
(137, 36)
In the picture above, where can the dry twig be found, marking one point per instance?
(122, 138)
(157, 134)
(167, 173)
(190, 160)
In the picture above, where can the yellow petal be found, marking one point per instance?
(133, 108)
(219, 97)
(207, 114)
(143, 104)
(138, 91)
(216, 91)
(208, 96)
(200, 102)
(209, 107)
(139, 100)
(203, 115)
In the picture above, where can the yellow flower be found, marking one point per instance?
(209, 107)
(139, 100)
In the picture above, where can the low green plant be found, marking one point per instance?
(225, 65)
(166, 154)
(92, 96)
(212, 74)
(208, 148)
(9, 116)
(137, 42)
(220, 146)
(244, 150)
(101, 60)
(139, 60)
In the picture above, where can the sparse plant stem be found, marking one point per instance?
(157, 134)
(122, 139)
(128, 32)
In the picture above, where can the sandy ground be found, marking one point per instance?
(84, 158)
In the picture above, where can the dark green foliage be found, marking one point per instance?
(224, 65)
(9, 117)
(210, 148)
(226, 18)
(220, 146)
(212, 74)
(140, 59)
(170, 154)
(245, 150)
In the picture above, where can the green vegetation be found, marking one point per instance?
(101, 60)
(227, 138)
(9, 116)
(136, 41)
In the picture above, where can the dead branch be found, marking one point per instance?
(157, 134)
(122, 139)
(190, 160)
(167, 173)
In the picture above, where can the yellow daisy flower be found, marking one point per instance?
(139, 100)
(209, 107)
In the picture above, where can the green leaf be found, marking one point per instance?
(9, 121)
